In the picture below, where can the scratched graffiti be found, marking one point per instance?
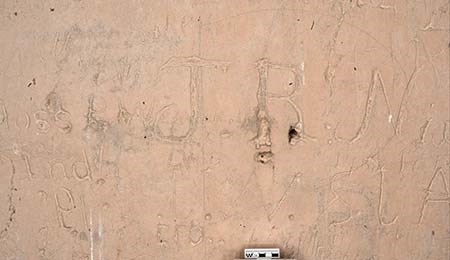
(194, 130)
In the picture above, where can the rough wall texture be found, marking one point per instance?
(192, 129)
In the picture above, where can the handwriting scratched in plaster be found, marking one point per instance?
(195, 65)
(429, 191)
(376, 77)
(296, 132)
(64, 209)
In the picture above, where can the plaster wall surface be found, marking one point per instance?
(194, 129)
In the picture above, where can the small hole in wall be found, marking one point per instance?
(15, 13)
(264, 157)
(292, 133)
(143, 102)
(52, 9)
(354, 68)
(145, 137)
